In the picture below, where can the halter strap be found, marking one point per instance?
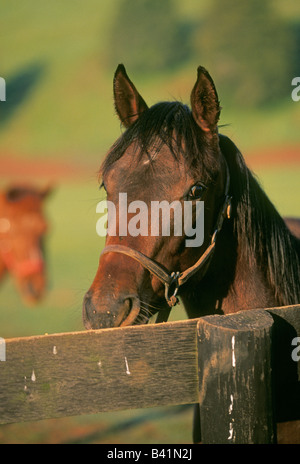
(174, 280)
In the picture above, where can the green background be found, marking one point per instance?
(56, 127)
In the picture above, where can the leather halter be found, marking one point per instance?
(174, 280)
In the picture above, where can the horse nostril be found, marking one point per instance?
(32, 291)
(107, 313)
(96, 315)
(131, 309)
(128, 303)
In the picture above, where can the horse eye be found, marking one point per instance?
(196, 192)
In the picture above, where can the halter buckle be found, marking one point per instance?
(229, 207)
(172, 300)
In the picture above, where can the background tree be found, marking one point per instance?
(148, 35)
(249, 49)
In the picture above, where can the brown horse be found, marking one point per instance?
(22, 230)
(294, 225)
(169, 152)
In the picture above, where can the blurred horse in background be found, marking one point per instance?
(22, 230)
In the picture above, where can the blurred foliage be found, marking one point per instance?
(149, 35)
(58, 59)
(250, 48)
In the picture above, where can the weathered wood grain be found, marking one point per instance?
(104, 370)
(235, 378)
(143, 366)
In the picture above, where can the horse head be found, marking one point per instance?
(22, 231)
(168, 157)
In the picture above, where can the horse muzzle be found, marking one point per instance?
(120, 312)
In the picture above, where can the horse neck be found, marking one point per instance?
(229, 285)
(248, 286)
(256, 262)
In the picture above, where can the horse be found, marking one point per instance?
(174, 152)
(22, 231)
(294, 225)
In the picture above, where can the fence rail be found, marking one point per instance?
(239, 368)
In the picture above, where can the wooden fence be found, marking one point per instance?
(239, 368)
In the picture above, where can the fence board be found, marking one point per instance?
(143, 366)
(86, 372)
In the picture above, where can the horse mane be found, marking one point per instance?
(171, 124)
(261, 232)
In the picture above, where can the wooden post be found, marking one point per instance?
(286, 370)
(235, 388)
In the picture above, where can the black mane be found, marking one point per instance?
(262, 234)
(171, 124)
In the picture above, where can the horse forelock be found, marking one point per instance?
(170, 124)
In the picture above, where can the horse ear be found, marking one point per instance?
(205, 103)
(128, 102)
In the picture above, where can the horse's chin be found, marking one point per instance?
(137, 312)
(31, 292)
(32, 301)
(101, 311)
